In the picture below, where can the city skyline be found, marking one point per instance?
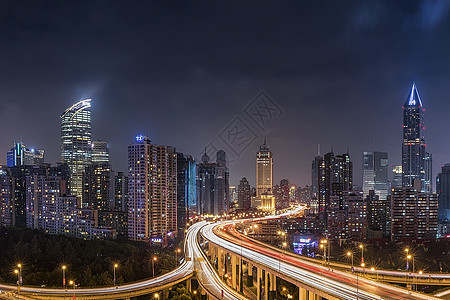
(361, 94)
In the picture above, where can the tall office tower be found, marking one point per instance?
(20, 155)
(98, 187)
(76, 143)
(281, 193)
(152, 191)
(264, 170)
(443, 190)
(397, 176)
(375, 173)
(186, 189)
(244, 196)
(120, 192)
(414, 214)
(213, 185)
(414, 155)
(6, 201)
(333, 174)
(100, 152)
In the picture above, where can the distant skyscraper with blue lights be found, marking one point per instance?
(19, 155)
(416, 162)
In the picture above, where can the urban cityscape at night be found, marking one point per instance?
(255, 150)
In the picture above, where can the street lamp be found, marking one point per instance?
(323, 244)
(153, 264)
(407, 262)
(115, 267)
(350, 254)
(156, 296)
(74, 285)
(408, 257)
(176, 255)
(19, 265)
(64, 276)
(362, 254)
(18, 286)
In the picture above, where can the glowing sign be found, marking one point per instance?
(139, 138)
(157, 240)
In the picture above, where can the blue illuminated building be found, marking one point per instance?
(20, 155)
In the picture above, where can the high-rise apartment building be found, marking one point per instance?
(152, 191)
(413, 214)
(100, 152)
(416, 162)
(76, 146)
(375, 173)
(98, 187)
(443, 190)
(19, 155)
(264, 170)
(244, 196)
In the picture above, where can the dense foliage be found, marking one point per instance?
(89, 263)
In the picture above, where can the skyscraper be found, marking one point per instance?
(264, 170)
(416, 162)
(443, 190)
(331, 175)
(100, 152)
(186, 188)
(76, 145)
(375, 173)
(244, 196)
(213, 191)
(19, 155)
(152, 191)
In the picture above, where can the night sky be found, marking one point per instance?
(184, 73)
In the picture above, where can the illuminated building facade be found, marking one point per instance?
(414, 215)
(186, 188)
(264, 170)
(375, 173)
(213, 192)
(98, 186)
(416, 162)
(76, 146)
(20, 155)
(152, 191)
(100, 152)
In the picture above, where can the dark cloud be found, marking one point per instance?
(182, 71)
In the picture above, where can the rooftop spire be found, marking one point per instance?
(413, 98)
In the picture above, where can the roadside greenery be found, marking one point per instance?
(89, 263)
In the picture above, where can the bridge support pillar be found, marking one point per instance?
(221, 265)
(258, 283)
(234, 276)
(249, 274)
(302, 293)
(271, 284)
